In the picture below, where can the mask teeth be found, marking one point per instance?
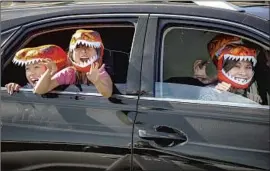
(88, 44)
(242, 58)
(22, 63)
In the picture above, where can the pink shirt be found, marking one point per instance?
(67, 75)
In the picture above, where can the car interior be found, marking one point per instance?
(116, 52)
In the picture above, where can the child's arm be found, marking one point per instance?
(50, 81)
(46, 83)
(101, 79)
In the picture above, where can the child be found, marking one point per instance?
(235, 65)
(85, 55)
(35, 60)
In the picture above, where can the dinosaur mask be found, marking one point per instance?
(223, 48)
(91, 39)
(36, 54)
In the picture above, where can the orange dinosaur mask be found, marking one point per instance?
(225, 47)
(88, 38)
(37, 54)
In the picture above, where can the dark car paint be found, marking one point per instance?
(197, 120)
(12, 18)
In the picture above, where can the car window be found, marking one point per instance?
(189, 72)
(117, 40)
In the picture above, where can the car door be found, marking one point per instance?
(72, 116)
(170, 117)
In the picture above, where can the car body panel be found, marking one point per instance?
(216, 130)
(236, 134)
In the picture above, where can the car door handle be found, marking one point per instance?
(151, 135)
(162, 136)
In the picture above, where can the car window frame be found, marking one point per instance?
(150, 77)
(139, 20)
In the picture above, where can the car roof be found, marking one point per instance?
(254, 16)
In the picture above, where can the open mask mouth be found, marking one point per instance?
(86, 61)
(239, 80)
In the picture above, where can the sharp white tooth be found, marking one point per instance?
(254, 61)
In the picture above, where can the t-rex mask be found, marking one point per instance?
(225, 47)
(87, 38)
(36, 54)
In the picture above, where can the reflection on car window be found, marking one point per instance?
(221, 69)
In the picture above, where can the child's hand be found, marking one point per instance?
(11, 87)
(223, 86)
(94, 74)
(51, 66)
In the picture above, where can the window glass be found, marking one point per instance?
(211, 67)
(117, 42)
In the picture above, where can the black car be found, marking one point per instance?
(154, 120)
